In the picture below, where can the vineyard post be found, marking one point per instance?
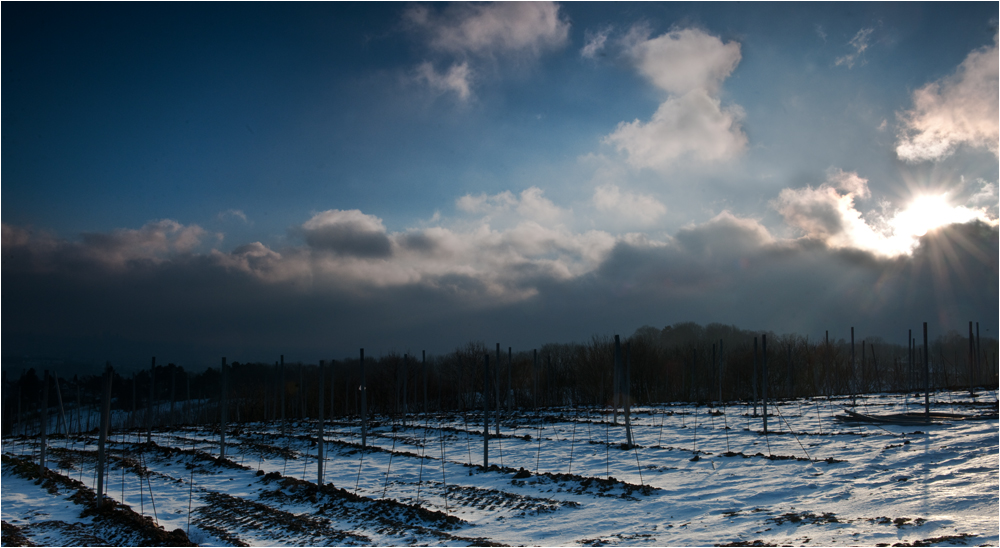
(763, 384)
(224, 415)
(927, 378)
(972, 364)
(132, 420)
(406, 358)
(152, 394)
(105, 423)
(486, 410)
(319, 428)
(423, 368)
(789, 378)
(187, 403)
(43, 419)
(616, 381)
(62, 411)
(496, 389)
(534, 380)
(713, 368)
(364, 403)
(720, 370)
(753, 380)
(851, 383)
(173, 391)
(284, 423)
(627, 404)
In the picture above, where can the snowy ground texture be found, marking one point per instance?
(557, 477)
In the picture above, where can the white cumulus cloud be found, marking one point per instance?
(609, 198)
(960, 109)
(692, 124)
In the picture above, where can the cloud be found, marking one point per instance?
(467, 36)
(694, 126)
(691, 124)
(829, 214)
(960, 109)
(349, 233)
(235, 213)
(443, 286)
(686, 60)
(608, 198)
(524, 28)
(594, 43)
(502, 207)
(457, 80)
(860, 44)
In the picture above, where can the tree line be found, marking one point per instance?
(682, 362)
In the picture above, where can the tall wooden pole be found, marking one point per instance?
(105, 423)
(152, 396)
(496, 389)
(763, 351)
(754, 379)
(627, 392)
(284, 423)
(319, 427)
(972, 363)
(534, 379)
(423, 367)
(486, 410)
(406, 358)
(616, 380)
(224, 415)
(62, 410)
(364, 403)
(43, 419)
(927, 378)
(854, 401)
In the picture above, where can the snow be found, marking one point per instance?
(886, 484)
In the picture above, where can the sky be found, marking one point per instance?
(192, 180)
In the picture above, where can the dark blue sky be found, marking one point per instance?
(487, 157)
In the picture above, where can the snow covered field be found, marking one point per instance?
(560, 477)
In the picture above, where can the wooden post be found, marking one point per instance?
(720, 370)
(534, 380)
(224, 415)
(972, 364)
(284, 423)
(103, 438)
(152, 395)
(627, 392)
(763, 351)
(486, 410)
(173, 391)
(364, 403)
(187, 403)
(753, 380)
(927, 378)
(909, 373)
(616, 381)
(423, 367)
(319, 428)
(406, 358)
(43, 418)
(496, 389)
(62, 410)
(851, 384)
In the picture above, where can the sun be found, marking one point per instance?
(928, 212)
(923, 214)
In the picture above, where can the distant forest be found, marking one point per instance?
(683, 362)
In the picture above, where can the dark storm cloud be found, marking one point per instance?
(65, 298)
(347, 233)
